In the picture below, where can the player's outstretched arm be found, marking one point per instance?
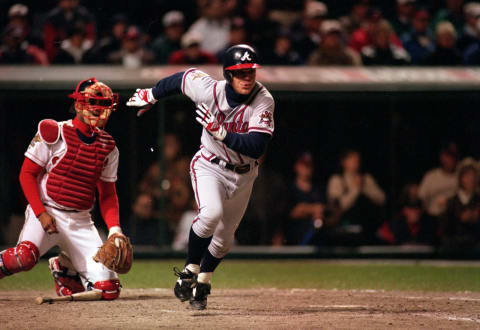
(143, 99)
(147, 97)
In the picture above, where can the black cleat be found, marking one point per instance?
(185, 283)
(200, 293)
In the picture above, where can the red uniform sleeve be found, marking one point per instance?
(28, 180)
(108, 200)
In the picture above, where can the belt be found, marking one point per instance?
(240, 169)
(64, 210)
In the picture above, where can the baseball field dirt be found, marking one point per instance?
(248, 309)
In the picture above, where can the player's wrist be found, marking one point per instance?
(114, 230)
(150, 97)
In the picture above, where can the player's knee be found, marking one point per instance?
(110, 289)
(211, 213)
(219, 248)
(208, 220)
(20, 258)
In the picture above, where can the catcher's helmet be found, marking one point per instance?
(95, 100)
(239, 57)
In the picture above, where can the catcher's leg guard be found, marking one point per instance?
(110, 289)
(67, 280)
(20, 258)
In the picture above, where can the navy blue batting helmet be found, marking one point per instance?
(239, 57)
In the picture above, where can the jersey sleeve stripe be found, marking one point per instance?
(261, 129)
(34, 159)
(184, 78)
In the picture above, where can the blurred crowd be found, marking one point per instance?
(349, 209)
(414, 33)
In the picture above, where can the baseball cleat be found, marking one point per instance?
(200, 293)
(185, 283)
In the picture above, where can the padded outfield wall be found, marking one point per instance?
(398, 118)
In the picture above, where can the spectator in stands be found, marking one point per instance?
(169, 183)
(213, 26)
(453, 13)
(267, 209)
(419, 43)
(261, 30)
(332, 49)
(148, 228)
(357, 17)
(439, 184)
(470, 34)
(182, 231)
(355, 199)
(306, 32)
(308, 203)
(191, 52)
(132, 54)
(110, 43)
(471, 55)
(167, 43)
(15, 49)
(363, 36)
(18, 17)
(61, 20)
(461, 222)
(74, 48)
(238, 35)
(409, 225)
(383, 51)
(401, 23)
(446, 52)
(282, 52)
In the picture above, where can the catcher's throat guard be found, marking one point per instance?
(95, 101)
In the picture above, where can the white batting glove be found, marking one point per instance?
(143, 98)
(208, 121)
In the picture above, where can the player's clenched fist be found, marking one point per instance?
(207, 120)
(48, 223)
(143, 98)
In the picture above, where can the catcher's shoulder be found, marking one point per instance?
(49, 130)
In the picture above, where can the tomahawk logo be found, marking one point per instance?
(246, 56)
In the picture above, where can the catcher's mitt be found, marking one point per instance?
(116, 253)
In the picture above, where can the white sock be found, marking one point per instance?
(193, 268)
(204, 277)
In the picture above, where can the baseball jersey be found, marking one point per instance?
(254, 115)
(47, 155)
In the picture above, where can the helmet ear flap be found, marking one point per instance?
(228, 76)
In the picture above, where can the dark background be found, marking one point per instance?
(398, 133)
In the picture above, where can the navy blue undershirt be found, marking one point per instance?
(252, 144)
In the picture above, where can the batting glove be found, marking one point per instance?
(143, 98)
(208, 121)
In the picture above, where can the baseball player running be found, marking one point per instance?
(64, 164)
(237, 119)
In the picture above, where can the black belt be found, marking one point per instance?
(240, 169)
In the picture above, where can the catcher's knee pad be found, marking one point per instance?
(110, 289)
(20, 258)
(67, 281)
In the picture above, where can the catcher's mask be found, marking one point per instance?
(95, 101)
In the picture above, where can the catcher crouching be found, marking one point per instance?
(64, 165)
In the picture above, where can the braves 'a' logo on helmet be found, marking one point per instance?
(246, 57)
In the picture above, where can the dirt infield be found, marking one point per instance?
(248, 309)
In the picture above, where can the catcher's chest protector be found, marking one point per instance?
(72, 182)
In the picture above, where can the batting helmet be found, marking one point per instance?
(239, 57)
